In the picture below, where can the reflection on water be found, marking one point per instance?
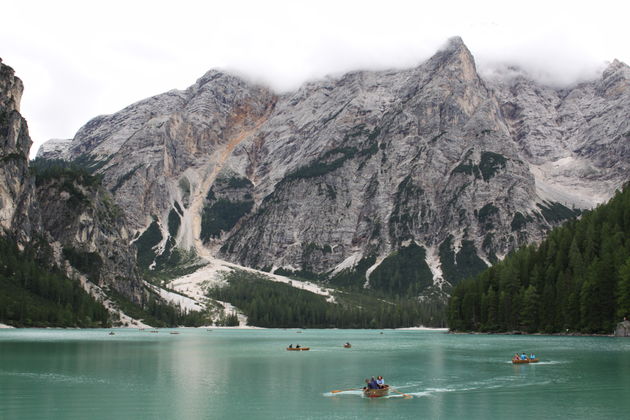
(79, 374)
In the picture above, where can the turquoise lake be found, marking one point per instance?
(248, 374)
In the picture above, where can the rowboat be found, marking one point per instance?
(347, 346)
(375, 393)
(520, 361)
(298, 348)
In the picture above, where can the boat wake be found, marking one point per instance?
(546, 362)
(551, 362)
(55, 377)
(507, 383)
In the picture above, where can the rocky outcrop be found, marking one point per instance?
(15, 184)
(88, 230)
(63, 214)
(576, 140)
(623, 329)
(342, 173)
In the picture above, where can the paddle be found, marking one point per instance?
(343, 390)
(407, 396)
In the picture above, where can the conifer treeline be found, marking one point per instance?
(577, 280)
(276, 305)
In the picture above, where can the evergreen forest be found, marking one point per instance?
(575, 281)
(34, 296)
(277, 305)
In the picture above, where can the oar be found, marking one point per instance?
(343, 390)
(407, 396)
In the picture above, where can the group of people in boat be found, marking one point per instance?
(523, 356)
(297, 346)
(378, 383)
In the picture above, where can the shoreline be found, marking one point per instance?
(240, 327)
(571, 334)
(248, 327)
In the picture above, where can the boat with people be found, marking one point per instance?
(517, 360)
(375, 393)
(347, 346)
(297, 348)
(521, 361)
(375, 388)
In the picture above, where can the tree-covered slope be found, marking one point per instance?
(34, 295)
(577, 280)
(277, 305)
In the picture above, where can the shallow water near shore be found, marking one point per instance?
(241, 374)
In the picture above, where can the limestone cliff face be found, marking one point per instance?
(88, 230)
(576, 140)
(15, 143)
(161, 150)
(353, 169)
(78, 220)
(392, 157)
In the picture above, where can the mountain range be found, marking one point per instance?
(403, 181)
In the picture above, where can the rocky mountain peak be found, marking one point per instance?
(217, 76)
(11, 88)
(615, 66)
(345, 172)
(615, 79)
(455, 58)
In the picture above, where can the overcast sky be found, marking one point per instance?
(79, 59)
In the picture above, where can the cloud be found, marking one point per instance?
(80, 59)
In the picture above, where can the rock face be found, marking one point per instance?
(16, 190)
(344, 172)
(88, 230)
(623, 329)
(577, 140)
(77, 220)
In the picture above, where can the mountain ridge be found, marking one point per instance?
(343, 170)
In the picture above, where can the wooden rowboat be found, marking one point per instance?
(521, 361)
(347, 346)
(375, 393)
(298, 348)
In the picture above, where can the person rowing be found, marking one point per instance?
(370, 384)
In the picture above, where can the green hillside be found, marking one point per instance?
(577, 280)
(277, 305)
(33, 295)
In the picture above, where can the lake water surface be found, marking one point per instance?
(248, 374)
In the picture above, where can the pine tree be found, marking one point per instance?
(623, 291)
(530, 309)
